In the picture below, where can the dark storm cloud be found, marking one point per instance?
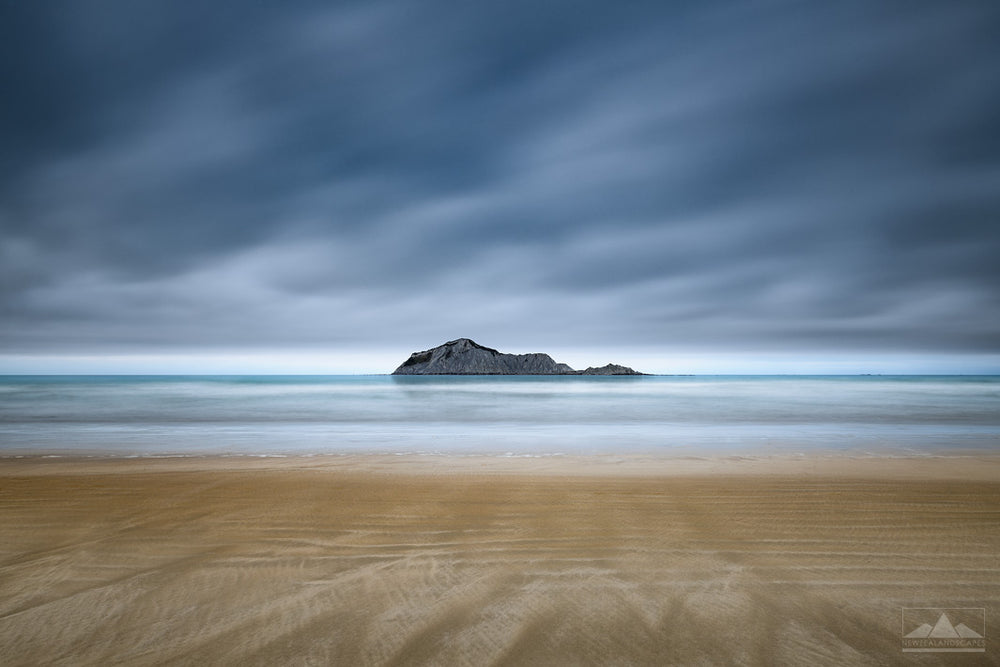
(787, 174)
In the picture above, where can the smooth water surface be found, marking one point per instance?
(524, 415)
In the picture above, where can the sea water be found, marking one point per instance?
(496, 415)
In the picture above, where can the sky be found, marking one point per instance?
(760, 186)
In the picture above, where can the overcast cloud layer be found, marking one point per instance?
(815, 176)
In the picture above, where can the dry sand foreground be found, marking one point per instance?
(357, 561)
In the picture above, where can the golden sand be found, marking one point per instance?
(408, 560)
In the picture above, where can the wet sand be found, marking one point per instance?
(476, 561)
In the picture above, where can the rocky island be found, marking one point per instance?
(466, 357)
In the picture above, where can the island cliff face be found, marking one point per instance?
(466, 357)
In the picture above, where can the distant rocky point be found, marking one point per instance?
(466, 357)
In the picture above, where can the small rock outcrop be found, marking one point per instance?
(466, 357)
(610, 369)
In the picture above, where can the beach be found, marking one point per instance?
(475, 560)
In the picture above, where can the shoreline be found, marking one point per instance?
(970, 465)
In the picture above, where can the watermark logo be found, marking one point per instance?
(944, 630)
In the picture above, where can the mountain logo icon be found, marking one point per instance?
(943, 628)
(933, 629)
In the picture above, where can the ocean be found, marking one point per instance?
(497, 416)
